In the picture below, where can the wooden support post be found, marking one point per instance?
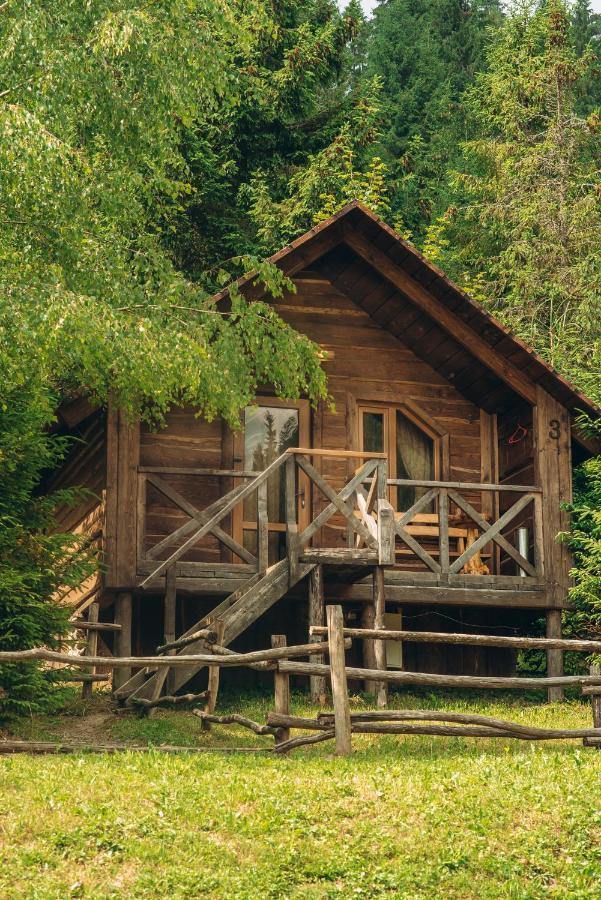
(379, 623)
(91, 648)
(342, 710)
(213, 683)
(170, 615)
(281, 684)
(317, 616)
(123, 617)
(369, 646)
(554, 657)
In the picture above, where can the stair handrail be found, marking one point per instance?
(235, 496)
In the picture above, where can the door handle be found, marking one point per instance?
(301, 494)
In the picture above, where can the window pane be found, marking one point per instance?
(268, 431)
(373, 432)
(414, 459)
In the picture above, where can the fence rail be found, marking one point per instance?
(342, 723)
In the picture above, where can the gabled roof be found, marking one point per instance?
(412, 298)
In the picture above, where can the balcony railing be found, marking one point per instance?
(449, 530)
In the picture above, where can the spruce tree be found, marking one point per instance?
(426, 52)
(527, 217)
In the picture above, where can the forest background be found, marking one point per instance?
(152, 151)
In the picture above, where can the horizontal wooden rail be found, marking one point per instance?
(341, 454)
(466, 485)
(474, 640)
(378, 722)
(201, 659)
(190, 470)
(94, 626)
(425, 679)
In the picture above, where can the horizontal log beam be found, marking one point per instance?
(455, 681)
(466, 486)
(445, 595)
(473, 640)
(201, 659)
(94, 626)
(44, 747)
(517, 729)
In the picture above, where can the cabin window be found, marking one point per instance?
(268, 432)
(269, 428)
(412, 451)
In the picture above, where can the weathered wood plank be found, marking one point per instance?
(337, 670)
(317, 617)
(281, 686)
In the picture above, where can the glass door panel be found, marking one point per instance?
(270, 428)
(414, 451)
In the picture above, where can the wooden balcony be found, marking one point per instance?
(441, 549)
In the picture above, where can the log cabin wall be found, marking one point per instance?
(84, 469)
(368, 365)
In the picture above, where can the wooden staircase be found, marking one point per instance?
(237, 612)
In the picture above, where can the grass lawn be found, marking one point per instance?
(403, 817)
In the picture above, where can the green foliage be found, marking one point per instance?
(585, 543)
(526, 211)
(98, 105)
(34, 564)
(426, 54)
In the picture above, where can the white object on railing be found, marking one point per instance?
(523, 546)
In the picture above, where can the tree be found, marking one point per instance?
(426, 53)
(127, 131)
(97, 106)
(526, 216)
(586, 37)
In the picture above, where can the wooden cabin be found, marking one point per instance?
(446, 431)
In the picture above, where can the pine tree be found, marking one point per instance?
(527, 215)
(426, 53)
(586, 37)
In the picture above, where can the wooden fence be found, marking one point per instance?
(341, 724)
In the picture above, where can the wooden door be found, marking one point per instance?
(269, 428)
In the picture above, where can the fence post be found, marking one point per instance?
(379, 623)
(213, 681)
(443, 531)
(554, 657)
(386, 534)
(281, 685)
(317, 617)
(596, 700)
(91, 648)
(342, 710)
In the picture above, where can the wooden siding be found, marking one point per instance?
(369, 364)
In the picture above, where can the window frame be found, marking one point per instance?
(425, 423)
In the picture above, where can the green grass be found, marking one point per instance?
(403, 817)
